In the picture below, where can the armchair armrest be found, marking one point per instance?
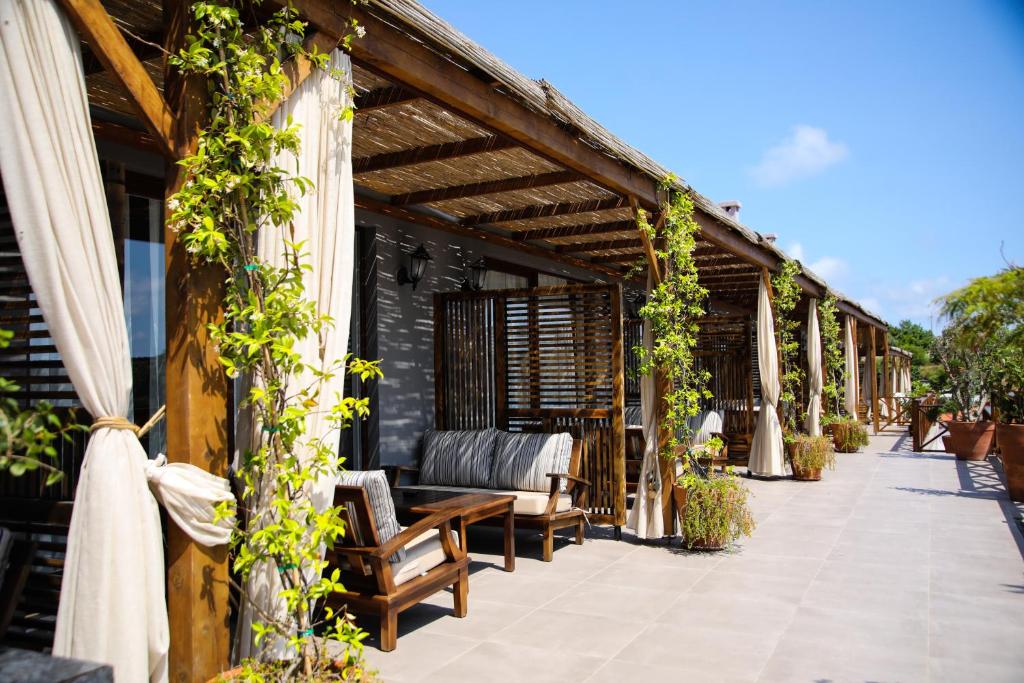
(440, 520)
(570, 477)
(395, 473)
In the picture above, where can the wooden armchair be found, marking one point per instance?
(377, 584)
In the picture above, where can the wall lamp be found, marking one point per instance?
(476, 274)
(417, 266)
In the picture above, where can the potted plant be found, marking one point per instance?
(848, 433)
(988, 314)
(965, 358)
(713, 507)
(809, 455)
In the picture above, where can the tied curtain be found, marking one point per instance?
(325, 221)
(766, 449)
(112, 602)
(850, 352)
(814, 381)
(645, 517)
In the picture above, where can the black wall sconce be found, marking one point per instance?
(476, 274)
(417, 266)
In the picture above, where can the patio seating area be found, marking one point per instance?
(899, 566)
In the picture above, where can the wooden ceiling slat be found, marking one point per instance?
(622, 258)
(545, 210)
(440, 152)
(576, 230)
(606, 245)
(487, 187)
(383, 97)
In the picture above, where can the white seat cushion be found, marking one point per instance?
(527, 502)
(422, 554)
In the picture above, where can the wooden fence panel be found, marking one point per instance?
(549, 359)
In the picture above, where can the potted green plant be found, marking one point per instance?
(809, 455)
(964, 357)
(988, 314)
(849, 435)
(713, 507)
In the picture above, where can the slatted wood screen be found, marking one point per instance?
(633, 337)
(31, 360)
(724, 350)
(540, 360)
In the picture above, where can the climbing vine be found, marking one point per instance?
(672, 310)
(834, 363)
(787, 294)
(234, 187)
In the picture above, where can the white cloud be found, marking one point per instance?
(805, 153)
(831, 268)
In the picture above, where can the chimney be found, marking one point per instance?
(731, 207)
(770, 237)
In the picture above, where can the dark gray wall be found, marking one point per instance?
(405, 330)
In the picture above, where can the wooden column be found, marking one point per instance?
(856, 366)
(872, 371)
(887, 379)
(197, 406)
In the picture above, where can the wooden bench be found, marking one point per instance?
(375, 584)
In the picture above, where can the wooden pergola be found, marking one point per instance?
(446, 136)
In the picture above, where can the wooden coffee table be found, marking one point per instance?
(473, 507)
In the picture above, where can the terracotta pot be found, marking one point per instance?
(971, 440)
(679, 498)
(840, 435)
(806, 473)
(1011, 451)
(947, 444)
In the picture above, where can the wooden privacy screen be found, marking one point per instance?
(724, 350)
(539, 360)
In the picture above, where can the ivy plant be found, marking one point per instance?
(834, 363)
(787, 294)
(29, 435)
(672, 310)
(233, 188)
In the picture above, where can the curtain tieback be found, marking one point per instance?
(121, 423)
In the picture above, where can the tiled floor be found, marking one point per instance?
(895, 567)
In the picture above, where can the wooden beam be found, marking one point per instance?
(653, 262)
(143, 49)
(545, 211)
(108, 44)
(590, 247)
(439, 152)
(576, 230)
(729, 277)
(501, 240)
(197, 402)
(487, 187)
(123, 135)
(621, 258)
(388, 96)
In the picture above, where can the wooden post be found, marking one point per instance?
(197, 405)
(618, 411)
(872, 371)
(887, 379)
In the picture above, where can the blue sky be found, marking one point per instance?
(882, 141)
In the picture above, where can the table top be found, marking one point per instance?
(426, 501)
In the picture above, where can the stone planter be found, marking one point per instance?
(1011, 452)
(840, 436)
(806, 473)
(971, 440)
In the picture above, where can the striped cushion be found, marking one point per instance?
(522, 461)
(457, 458)
(706, 424)
(375, 483)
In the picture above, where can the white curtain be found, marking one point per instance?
(766, 449)
(645, 517)
(325, 221)
(112, 605)
(852, 370)
(814, 381)
(906, 385)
